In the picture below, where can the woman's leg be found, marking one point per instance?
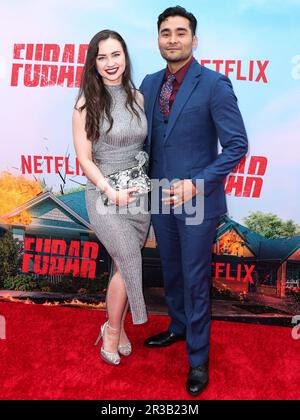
(116, 300)
(123, 336)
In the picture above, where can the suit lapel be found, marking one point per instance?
(188, 85)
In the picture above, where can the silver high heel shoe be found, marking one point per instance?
(107, 356)
(125, 349)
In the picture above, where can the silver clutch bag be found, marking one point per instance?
(134, 177)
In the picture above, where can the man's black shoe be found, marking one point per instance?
(197, 380)
(163, 339)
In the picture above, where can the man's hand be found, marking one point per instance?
(180, 192)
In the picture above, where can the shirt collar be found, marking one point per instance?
(180, 74)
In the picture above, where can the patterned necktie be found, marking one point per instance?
(165, 94)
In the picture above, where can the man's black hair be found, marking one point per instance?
(178, 11)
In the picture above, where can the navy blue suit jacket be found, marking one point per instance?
(205, 110)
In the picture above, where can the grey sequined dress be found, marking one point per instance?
(123, 234)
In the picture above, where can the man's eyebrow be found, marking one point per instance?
(177, 29)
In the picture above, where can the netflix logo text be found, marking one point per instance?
(241, 273)
(35, 165)
(246, 71)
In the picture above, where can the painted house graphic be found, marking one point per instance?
(277, 261)
(51, 217)
(237, 251)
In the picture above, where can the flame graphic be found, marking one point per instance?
(76, 303)
(15, 191)
(232, 244)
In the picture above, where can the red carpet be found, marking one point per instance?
(49, 354)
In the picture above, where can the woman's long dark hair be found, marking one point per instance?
(98, 100)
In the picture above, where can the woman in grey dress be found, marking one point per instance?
(109, 130)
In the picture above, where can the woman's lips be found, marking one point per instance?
(111, 72)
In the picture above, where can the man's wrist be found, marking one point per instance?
(195, 188)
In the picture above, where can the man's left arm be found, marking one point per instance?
(231, 132)
(233, 138)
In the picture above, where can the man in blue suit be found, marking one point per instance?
(189, 108)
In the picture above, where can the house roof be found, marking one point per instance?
(263, 248)
(57, 211)
(252, 239)
(76, 201)
(281, 248)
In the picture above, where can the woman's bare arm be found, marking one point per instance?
(83, 149)
(139, 98)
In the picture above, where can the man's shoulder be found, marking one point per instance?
(211, 75)
(153, 76)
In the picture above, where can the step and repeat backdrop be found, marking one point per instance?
(46, 242)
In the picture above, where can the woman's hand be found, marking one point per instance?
(121, 197)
